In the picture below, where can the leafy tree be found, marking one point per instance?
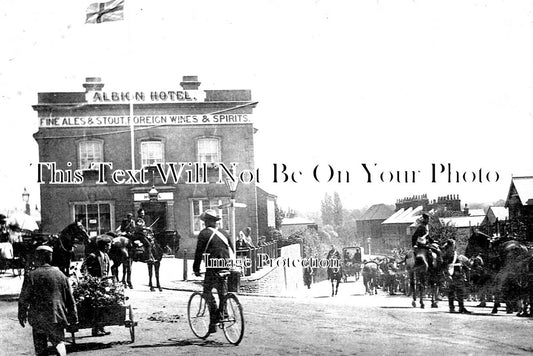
(327, 210)
(338, 217)
(279, 214)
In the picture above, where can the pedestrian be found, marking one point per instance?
(457, 278)
(97, 265)
(216, 244)
(4, 231)
(248, 237)
(46, 301)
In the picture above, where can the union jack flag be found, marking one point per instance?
(105, 11)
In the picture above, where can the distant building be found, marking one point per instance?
(520, 203)
(291, 225)
(495, 220)
(397, 228)
(369, 226)
(464, 226)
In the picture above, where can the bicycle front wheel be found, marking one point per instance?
(198, 315)
(233, 321)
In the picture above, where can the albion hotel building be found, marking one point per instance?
(99, 154)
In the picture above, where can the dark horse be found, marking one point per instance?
(63, 245)
(335, 274)
(152, 254)
(503, 262)
(423, 274)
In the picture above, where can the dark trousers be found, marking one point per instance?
(41, 335)
(457, 290)
(212, 280)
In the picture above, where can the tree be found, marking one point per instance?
(327, 210)
(337, 210)
(279, 214)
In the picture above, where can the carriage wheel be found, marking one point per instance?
(198, 315)
(132, 326)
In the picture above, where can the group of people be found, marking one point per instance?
(46, 300)
(457, 277)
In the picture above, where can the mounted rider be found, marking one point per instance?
(333, 254)
(422, 240)
(144, 234)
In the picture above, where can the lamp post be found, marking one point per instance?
(232, 185)
(26, 200)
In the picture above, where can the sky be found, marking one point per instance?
(397, 86)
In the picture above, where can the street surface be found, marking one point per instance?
(311, 323)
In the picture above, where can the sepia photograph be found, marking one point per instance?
(266, 177)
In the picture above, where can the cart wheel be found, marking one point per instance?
(132, 326)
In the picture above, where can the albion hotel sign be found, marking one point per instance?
(140, 97)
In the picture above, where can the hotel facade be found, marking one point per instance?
(105, 154)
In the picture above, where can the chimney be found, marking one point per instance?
(190, 82)
(93, 84)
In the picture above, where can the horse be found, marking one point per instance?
(501, 256)
(153, 254)
(63, 245)
(335, 274)
(370, 276)
(422, 274)
(121, 253)
(389, 268)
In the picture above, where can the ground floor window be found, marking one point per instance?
(96, 217)
(198, 206)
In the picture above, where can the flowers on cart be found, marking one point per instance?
(94, 292)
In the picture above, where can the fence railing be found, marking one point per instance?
(253, 255)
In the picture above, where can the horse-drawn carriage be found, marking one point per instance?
(351, 261)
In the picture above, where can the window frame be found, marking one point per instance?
(223, 223)
(218, 149)
(144, 143)
(82, 143)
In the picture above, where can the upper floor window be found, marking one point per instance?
(151, 153)
(198, 206)
(209, 150)
(89, 152)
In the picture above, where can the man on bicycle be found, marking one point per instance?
(216, 244)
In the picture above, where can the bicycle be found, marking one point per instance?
(231, 322)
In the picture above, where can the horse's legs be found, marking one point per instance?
(412, 284)
(128, 263)
(337, 286)
(332, 287)
(157, 264)
(421, 285)
(150, 267)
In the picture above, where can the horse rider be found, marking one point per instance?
(213, 244)
(333, 254)
(421, 239)
(143, 233)
(457, 281)
(127, 226)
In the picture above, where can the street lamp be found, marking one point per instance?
(26, 200)
(153, 194)
(232, 185)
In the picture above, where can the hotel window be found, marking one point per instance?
(96, 217)
(151, 153)
(198, 206)
(208, 150)
(89, 152)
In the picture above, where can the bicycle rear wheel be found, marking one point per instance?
(198, 315)
(233, 322)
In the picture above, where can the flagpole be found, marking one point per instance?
(132, 126)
